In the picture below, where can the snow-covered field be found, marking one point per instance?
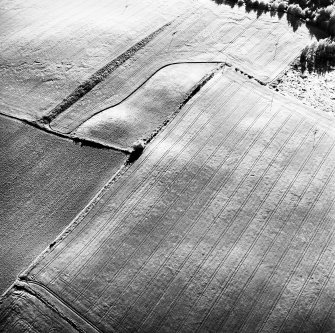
(224, 223)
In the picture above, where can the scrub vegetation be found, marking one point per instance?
(319, 56)
(317, 12)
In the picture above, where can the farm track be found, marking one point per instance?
(43, 310)
(25, 284)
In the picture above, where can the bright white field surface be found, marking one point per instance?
(45, 181)
(146, 109)
(260, 46)
(224, 224)
(48, 47)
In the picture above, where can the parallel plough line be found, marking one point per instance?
(317, 261)
(269, 219)
(250, 220)
(229, 224)
(286, 221)
(307, 215)
(218, 297)
(213, 197)
(168, 166)
(176, 179)
(331, 272)
(154, 173)
(188, 163)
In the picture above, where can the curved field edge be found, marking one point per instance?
(150, 106)
(150, 78)
(120, 173)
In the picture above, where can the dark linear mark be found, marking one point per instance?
(76, 139)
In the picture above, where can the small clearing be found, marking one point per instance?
(314, 89)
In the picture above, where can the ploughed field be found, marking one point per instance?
(45, 181)
(224, 223)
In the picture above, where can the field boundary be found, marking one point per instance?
(190, 94)
(76, 139)
(223, 63)
(98, 77)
